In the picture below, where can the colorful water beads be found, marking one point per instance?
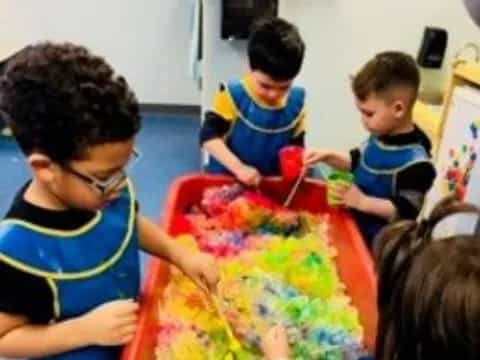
(277, 267)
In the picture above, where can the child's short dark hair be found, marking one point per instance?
(384, 72)
(59, 99)
(429, 290)
(276, 48)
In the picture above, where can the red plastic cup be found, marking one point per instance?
(291, 162)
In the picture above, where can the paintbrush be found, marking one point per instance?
(234, 343)
(294, 189)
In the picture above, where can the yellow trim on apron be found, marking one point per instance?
(260, 129)
(56, 301)
(82, 274)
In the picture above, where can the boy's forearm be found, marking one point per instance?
(155, 241)
(383, 208)
(30, 341)
(338, 160)
(219, 150)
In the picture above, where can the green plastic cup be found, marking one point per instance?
(335, 178)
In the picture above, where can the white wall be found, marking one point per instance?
(148, 41)
(343, 34)
(222, 60)
(145, 40)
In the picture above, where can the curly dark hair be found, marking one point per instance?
(60, 99)
(384, 72)
(276, 48)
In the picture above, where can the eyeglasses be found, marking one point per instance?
(114, 182)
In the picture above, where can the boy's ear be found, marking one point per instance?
(42, 167)
(399, 109)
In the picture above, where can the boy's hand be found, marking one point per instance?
(349, 195)
(313, 156)
(248, 175)
(353, 197)
(275, 344)
(202, 269)
(110, 324)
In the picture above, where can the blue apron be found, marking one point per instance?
(85, 268)
(376, 175)
(258, 133)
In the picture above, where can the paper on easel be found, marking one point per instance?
(458, 171)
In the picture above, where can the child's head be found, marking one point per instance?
(73, 118)
(275, 53)
(386, 90)
(429, 290)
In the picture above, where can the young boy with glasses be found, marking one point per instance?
(69, 262)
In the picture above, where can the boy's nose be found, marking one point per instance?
(274, 95)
